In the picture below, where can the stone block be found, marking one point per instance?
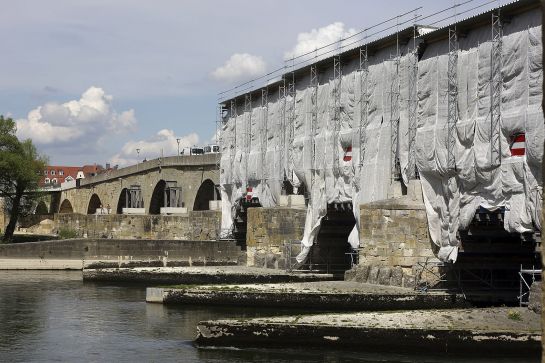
(350, 275)
(296, 201)
(270, 261)
(362, 273)
(214, 205)
(396, 279)
(409, 281)
(373, 274)
(384, 275)
(534, 300)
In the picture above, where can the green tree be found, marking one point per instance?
(20, 170)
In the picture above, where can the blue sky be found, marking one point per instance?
(92, 80)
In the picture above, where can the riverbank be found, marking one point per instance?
(491, 331)
(323, 295)
(198, 275)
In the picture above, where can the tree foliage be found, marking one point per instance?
(20, 170)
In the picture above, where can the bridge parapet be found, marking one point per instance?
(170, 161)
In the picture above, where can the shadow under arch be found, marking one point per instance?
(94, 204)
(41, 208)
(207, 192)
(157, 198)
(122, 201)
(66, 207)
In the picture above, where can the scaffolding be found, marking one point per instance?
(291, 120)
(394, 121)
(282, 95)
(337, 108)
(232, 151)
(452, 117)
(412, 172)
(248, 130)
(264, 135)
(364, 101)
(313, 118)
(495, 90)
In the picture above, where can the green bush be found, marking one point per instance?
(66, 233)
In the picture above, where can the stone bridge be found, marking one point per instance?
(177, 182)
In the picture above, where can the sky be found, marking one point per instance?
(91, 81)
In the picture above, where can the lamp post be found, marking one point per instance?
(178, 141)
(137, 158)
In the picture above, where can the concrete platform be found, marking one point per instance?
(323, 295)
(494, 331)
(198, 275)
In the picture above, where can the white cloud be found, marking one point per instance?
(316, 38)
(241, 66)
(78, 122)
(164, 141)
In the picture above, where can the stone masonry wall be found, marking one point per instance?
(166, 252)
(394, 240)
(267, 231)
(200, 225)
(3, 221)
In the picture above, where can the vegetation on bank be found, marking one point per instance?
(67, 233)
(21, 168)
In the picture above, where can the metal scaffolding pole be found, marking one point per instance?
(452, 98)
(264, 133)
(282, 94)
(364, 102)
(247, 131)
(221, 120)
(412, 172)
(496, 83)
(233, 146)
(394, 122)
(337, 76)
(313, 118)
(291, 119)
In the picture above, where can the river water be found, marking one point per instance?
(55, 317)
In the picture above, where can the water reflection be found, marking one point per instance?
(54, 316)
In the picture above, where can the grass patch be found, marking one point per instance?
(514, 315)
(67, 233)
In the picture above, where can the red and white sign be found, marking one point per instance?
(347, 153)
(249, 194)
(518, 146)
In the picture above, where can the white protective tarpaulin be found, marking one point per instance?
(262, 146)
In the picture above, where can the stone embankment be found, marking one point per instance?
(494, 332)
(80, 253)
(323, 295)
(197, 275)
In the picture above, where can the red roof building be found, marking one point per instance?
(56, 175)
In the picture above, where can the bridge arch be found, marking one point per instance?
(41, 208)
(66, 207)
(157, 200)
(207, 192)
(94, 204)
(121, 201)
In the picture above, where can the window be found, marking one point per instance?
(52, 172)
(61, 172)
(45, 172)
(54, 181)
(46, 180)
(68, 178)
